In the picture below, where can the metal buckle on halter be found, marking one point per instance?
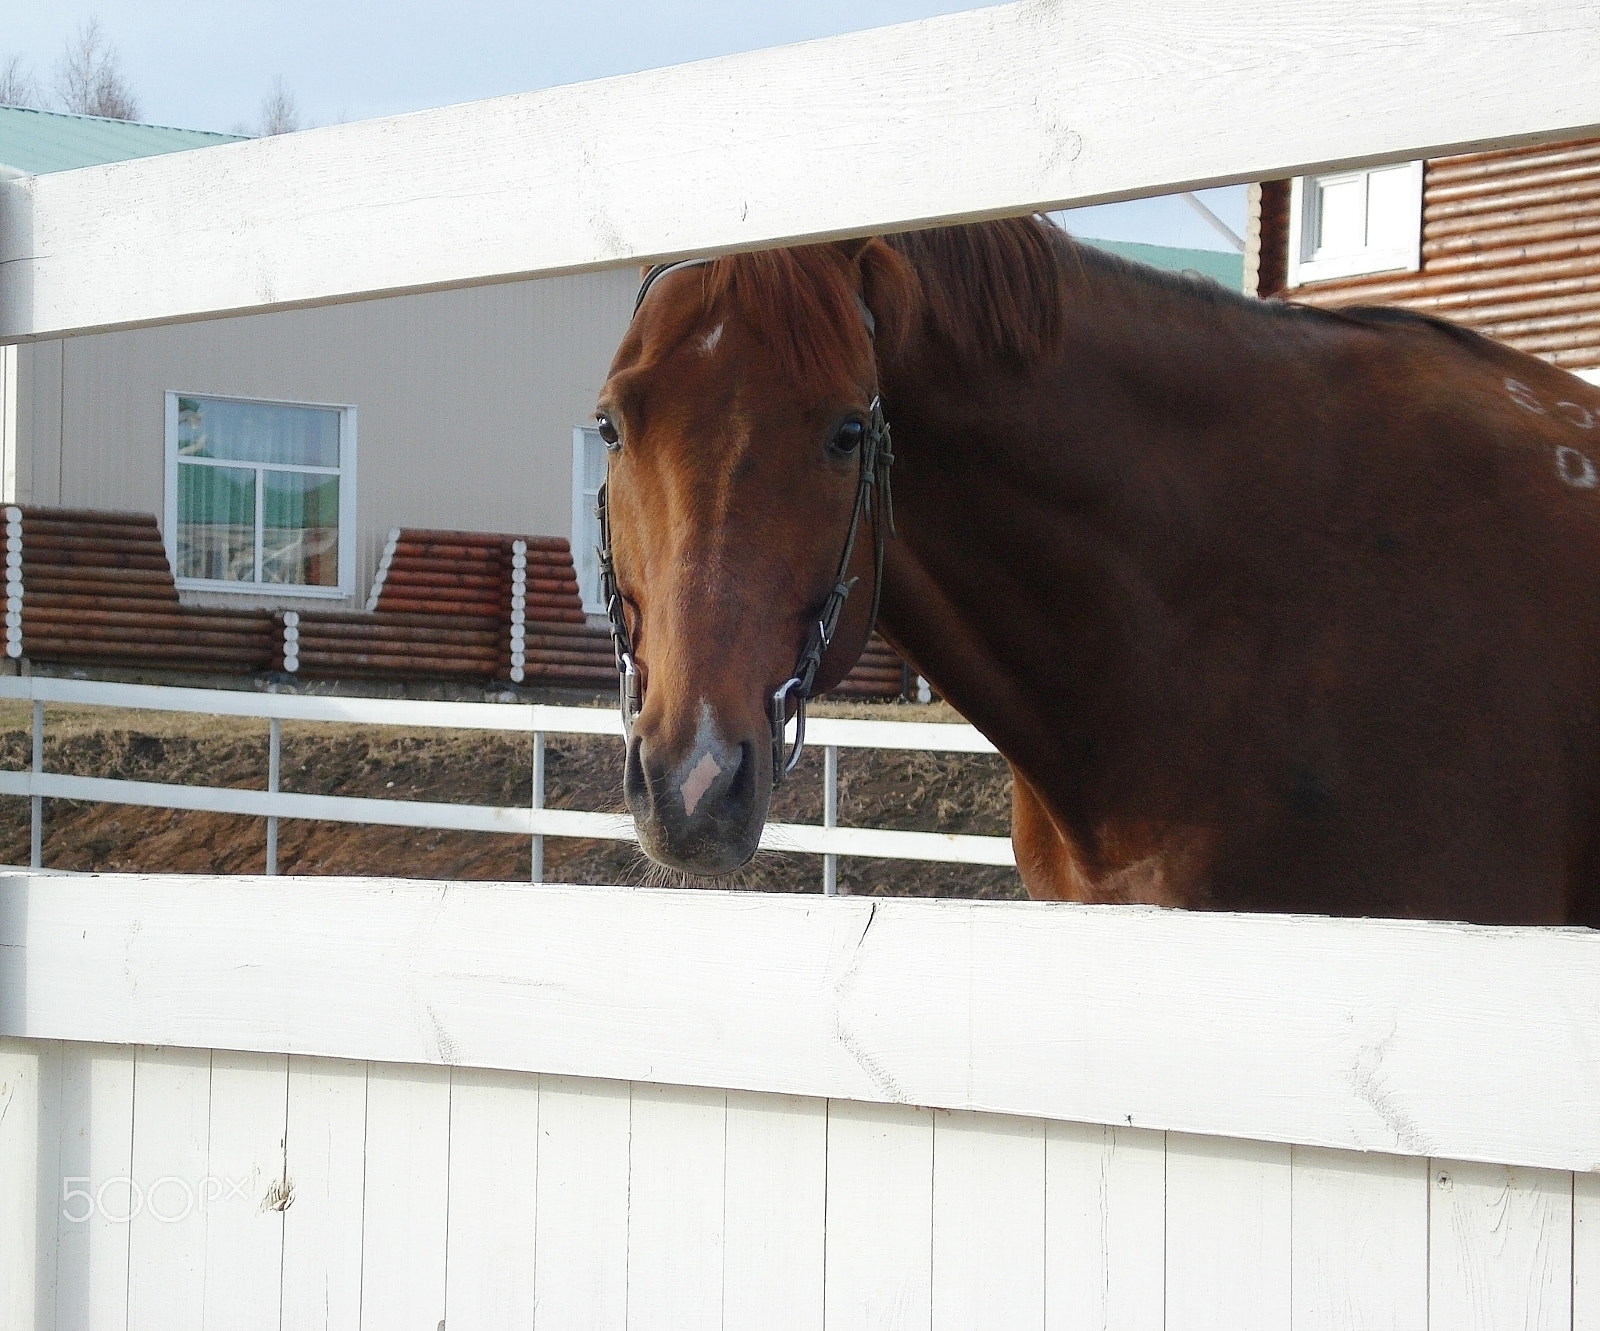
(628, 689)
(777, 715)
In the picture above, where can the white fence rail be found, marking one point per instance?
(535, 821)
(1003, 110)
(360, 1104)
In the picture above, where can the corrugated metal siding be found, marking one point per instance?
(1510, 247)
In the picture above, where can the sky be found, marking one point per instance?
(209, 66)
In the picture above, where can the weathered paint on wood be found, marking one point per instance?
(1000, 110)
(659, 1205)
(1341, 1033)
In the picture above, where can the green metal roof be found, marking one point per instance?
(1227, 268)
(37, 142)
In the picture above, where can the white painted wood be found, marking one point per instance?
(775, 1190)
(406, 1197)
(1500, 1248)
(581, 1267)
(521, 718)
(949, 847)
(326, 1144)
(30, 1075)
(880, 1217)
(1586, 1253)
(1344, 1033)
(494, 1188)
(1021, 107)
(167, 1232)
(988, 1221)
(1105, 1227)
(1360, 1241)
(675, 1208)
(95, 1154)
(243, 1192)
(1228, 1221)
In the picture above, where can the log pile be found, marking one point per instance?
(880, 673)
(85, 585)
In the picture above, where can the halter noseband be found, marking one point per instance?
(876, 458)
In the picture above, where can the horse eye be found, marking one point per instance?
(849, 437)
(607, 431)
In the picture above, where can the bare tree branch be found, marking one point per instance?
(279, 112)
(89, 80)
(17, 87)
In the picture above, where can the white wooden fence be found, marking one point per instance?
(535, 821)
(279, 1103)
(354, 1103)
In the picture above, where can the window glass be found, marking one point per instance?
(217, 523)
(257, 492)
(258, 432)
(1342, 216)
(300, 528)
(589, 470)
(1391, 208)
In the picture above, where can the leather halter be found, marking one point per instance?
(872, 492)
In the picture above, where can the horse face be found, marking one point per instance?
(731, 486)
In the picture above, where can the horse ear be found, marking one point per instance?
(889, 287)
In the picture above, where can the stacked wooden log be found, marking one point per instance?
(90, 586)
(437, 608)
(880, 673)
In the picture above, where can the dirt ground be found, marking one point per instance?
(910, 791)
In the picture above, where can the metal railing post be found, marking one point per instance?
(274, 745)
(538, 803)
(36, 804)
(830, 816)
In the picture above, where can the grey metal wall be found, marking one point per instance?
(465, 401)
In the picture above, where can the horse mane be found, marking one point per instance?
(992, 290)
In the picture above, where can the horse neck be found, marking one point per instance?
(1053, 519)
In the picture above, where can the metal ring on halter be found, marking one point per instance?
(777, 713)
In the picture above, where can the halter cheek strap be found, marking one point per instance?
(872, 494)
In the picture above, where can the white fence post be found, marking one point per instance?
(830, 815)
(274, 744)
(538, 803)
(36, 805)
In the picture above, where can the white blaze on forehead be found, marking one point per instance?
(708, 343)
(699, 780)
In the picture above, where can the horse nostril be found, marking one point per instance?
(740, 796)
(635, 785)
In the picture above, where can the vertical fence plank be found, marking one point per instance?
(30, 1187)
(675, 1201)
(1500, 1248)
(880, 1217)
(581, 1230)
(988, 1221)
(406, 1196)
(1227, 1234)
(325, 1147)
(494, 1183)
(1105, 1227)
(1360, 1241)
(167, 1233)
(96, 1162)
(1586, 1252)
(243, 1192)
(775, 1189)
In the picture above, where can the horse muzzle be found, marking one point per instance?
(702, 813)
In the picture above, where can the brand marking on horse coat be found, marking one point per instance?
(1576, 469)
(1573, 467)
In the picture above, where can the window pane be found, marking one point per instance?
(594, 460)
(300, 529)
(1341, 215)
(217, 523)
(1391, 208)
(258, 432)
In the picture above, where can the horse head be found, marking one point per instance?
(744, 469)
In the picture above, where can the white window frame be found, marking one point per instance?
(585, 525)
(1305, 266)
(346, 472)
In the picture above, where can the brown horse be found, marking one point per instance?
(1269, 608)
